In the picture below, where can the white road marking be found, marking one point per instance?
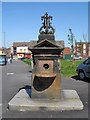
(10, 74)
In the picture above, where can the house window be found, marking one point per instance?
(84, 52)
(14, 50)
(20, 55)
(84, 46)
(20, 50)
(24, 50)
(84, 49)
(78, 53)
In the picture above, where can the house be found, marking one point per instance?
(20, 50)
(82, 49)
(66, 53)
(6, 51)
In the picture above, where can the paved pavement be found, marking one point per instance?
(18, 75)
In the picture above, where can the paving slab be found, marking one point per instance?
(69, 101)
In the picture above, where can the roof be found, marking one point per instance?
(47, 44)
(60, 43)
(20, 44)
(34, 43)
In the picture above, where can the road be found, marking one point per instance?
(18, 75)
(0, 91)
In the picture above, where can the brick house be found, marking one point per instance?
(66, 51)
(82, 49)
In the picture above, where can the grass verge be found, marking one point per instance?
(68, 67)
(27, 61)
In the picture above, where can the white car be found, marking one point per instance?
(78, 58)
(83, 69)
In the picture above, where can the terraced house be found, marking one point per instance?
(20, 50)
(82, 49)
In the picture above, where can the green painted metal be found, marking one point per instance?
(67, 56)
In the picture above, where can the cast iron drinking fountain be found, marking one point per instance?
(45, 91)
(46, 76)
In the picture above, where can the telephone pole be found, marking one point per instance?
(5, 42)
(4, 39)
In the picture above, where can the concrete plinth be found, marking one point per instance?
(69, 101)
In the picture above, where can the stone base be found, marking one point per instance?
(69, 101)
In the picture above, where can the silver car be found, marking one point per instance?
(83, 69)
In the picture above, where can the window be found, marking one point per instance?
(87, 62)
(84, 52)
(20, 55)
(78, 53)
(24, 50)
(84, 46)
(14, 50)
(20, 50)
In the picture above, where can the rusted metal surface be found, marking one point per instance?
(46, 76)
(45, 66)
(46, 87)
(46, 25)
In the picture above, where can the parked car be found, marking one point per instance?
(3, 59)
(83, 69)
(78, 58)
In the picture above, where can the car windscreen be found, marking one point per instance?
(87, 61)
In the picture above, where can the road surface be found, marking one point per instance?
(18, 75)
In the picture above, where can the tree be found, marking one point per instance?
(71, 41)
(80, 46)
(85, 37)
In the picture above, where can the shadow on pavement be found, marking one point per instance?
(77, 78)
(30, 71)
(27, 88)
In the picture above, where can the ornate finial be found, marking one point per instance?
(46, 27)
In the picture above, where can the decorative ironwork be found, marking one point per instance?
(46, 27)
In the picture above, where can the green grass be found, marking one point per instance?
(27, 61)
(68, 68)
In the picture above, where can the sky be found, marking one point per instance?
(21, 21)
